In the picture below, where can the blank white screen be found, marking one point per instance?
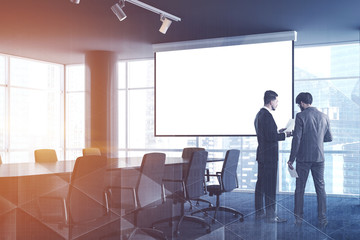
(218, 91)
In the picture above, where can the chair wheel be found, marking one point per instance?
(241, 219)
(213, 221)
(176, 233)
(208, 230)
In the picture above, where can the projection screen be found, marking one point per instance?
(215, 87)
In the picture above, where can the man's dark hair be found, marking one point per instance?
(304, 97)
(269, 96)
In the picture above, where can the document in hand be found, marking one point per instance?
(290, 125)
(293, 173)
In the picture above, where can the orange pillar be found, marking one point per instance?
(101, 107)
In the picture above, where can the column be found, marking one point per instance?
(101, 108)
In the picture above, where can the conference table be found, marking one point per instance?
(21, 185)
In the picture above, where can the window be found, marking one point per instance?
(75, 111)
(32, 109)
(136, 112)
(33, 99)
(329, 73)
(3, 117)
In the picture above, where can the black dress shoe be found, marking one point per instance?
(323, 223)
(298, 222)
(276, 220)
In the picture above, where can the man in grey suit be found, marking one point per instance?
(312, 129)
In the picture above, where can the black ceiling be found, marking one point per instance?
(59, 31)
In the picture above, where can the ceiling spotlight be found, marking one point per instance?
(120, 14)
(154, 9)
(117, 10)
(165, 24)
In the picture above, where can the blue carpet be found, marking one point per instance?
(343, 216)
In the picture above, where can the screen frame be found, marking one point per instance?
(239, 40)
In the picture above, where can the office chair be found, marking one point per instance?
(0, 160)
(86, 200)
(192, 188)
(91, 152)
(187, 154)
(188, 151)
(227, 182)
(148, 192)
(45, 155)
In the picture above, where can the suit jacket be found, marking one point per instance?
(312, 129)
(267, 136)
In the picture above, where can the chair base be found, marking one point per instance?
(194, 219)
(150, 231)
(199, 200)
(180, 219)
(221, 208)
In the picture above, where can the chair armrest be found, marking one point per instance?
(172, 180)
(163, 197)
(213, 175)
(177, 181)
(49, 202)
(133, 191)
(106, 198)
(218, 175)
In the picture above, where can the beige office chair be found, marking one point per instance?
(45, 155)
(0, 160)
(91, 152)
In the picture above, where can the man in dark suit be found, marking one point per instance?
(312, 129)
(267, 156)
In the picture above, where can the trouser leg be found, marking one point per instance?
(270, 181)
(259, 192)
(317, 171)
(302, 170)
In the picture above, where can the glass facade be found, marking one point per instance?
(43, 106)
(329, 73)
(33, 111)
(32, 99)
(136, 113)
(75, 111)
